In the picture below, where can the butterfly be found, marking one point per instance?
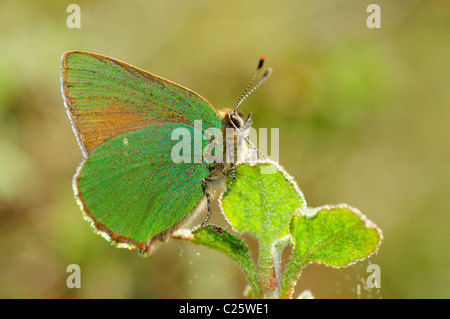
(128, 186)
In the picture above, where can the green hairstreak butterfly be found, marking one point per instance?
(128, 186)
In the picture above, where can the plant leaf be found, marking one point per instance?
(217, 238)
(337, 236)
(262, 204)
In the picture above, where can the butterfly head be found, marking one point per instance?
(232, 119)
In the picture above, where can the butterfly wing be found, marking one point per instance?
(132, 192)
(105, 97)
(128, 187)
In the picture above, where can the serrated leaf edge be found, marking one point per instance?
(310, 212)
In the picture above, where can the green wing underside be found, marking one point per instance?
(105, 97)
(96, 80)
(131, 186)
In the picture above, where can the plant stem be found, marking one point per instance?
(268, 271)
(290, 277)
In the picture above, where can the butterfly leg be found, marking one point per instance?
(233, 172)
(214, 184)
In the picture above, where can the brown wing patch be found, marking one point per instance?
(114, 117)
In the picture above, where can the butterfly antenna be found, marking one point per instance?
(264, 77)
(246, 92)
(249, 91)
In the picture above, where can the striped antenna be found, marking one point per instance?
(247, 90)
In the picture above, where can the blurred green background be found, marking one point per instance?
(363, 117)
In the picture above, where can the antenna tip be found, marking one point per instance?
(267, 73)
(261, 62)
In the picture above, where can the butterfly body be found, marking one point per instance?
(128, 186)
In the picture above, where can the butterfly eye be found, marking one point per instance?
(237, 120)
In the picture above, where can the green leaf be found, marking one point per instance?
(336, 236)
(262, 202)
(217, 238)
